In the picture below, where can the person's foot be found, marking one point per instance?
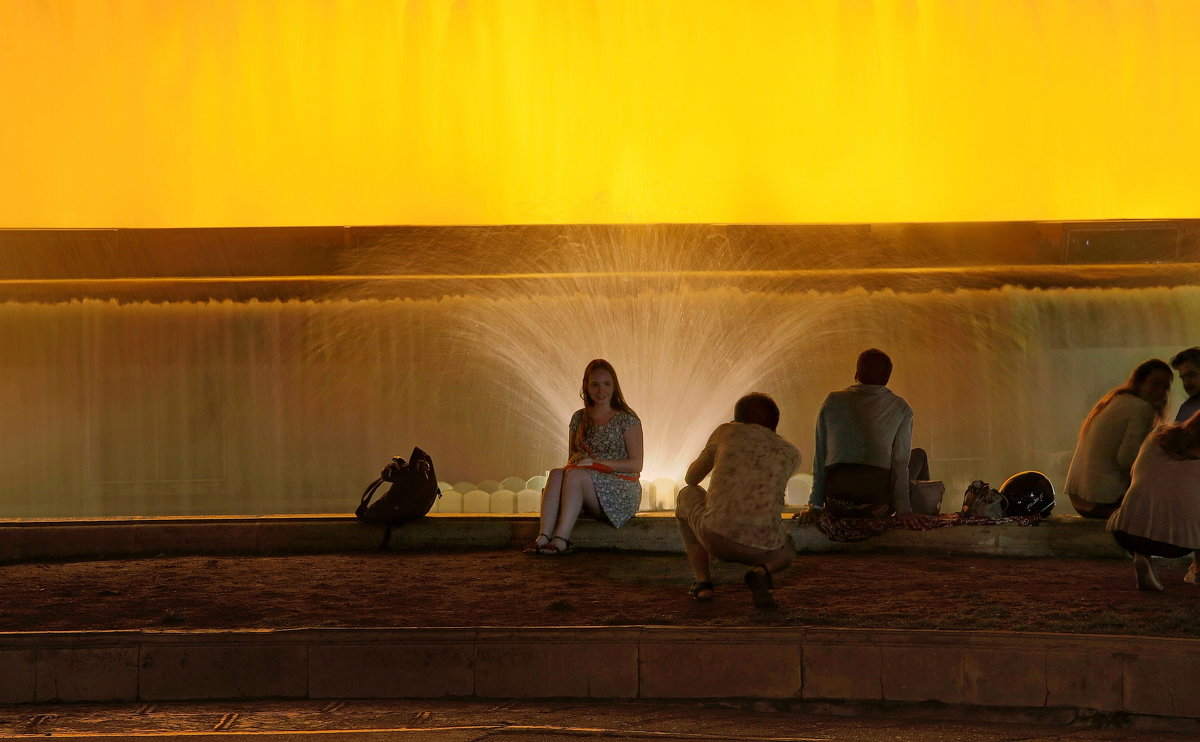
(759, 582)
(701, 591)
(1146, 579)
(1192, 577)
(558, 546)
(535, 546)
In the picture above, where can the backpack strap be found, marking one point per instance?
(366, 497)
(362, 508)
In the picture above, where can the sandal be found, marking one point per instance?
(549, 548)
(533, 547)
(700, 587)
(760, 585)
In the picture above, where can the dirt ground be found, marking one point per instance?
(507, 588)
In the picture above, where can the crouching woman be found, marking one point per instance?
(1160, 515)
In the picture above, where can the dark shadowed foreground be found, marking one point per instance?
(506, 588)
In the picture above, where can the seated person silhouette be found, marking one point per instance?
(864, 458)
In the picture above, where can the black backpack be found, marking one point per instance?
(414, 490)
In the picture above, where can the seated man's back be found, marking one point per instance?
(862, 423)
(864, 457)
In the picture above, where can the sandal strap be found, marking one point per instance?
(533, 545)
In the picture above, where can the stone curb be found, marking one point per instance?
(1036, 672)
(39, 540)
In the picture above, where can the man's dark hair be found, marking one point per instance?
(757, 408)
(1191, 355)
(874, 367)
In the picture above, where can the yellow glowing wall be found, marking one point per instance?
(300, 112)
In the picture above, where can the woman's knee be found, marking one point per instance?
(576, 478)
(553, 483)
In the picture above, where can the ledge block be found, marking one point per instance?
(87, 674)
(915, 673)
(223, 670)
(1004, 677)
(386, 670)
(843, 670)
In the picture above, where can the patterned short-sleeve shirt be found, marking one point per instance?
(751, 466)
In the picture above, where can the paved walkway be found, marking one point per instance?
(1106, 678)
(460, 721)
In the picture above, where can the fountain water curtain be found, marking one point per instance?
(183, 407)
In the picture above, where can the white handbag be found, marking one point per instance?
(925, 495)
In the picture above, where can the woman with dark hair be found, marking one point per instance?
(1111, 435)
(604, 460)
(1161, 513)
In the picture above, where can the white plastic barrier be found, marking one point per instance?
(489, 485)
(647, 498)
(502, 501)
(536, 483)
(450, 502)
(464, 487)
(799, 487)
(516, 484)
(476, 501)
(529, 501)
(444, 486)
(662, 493)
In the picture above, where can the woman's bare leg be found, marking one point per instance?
(551, 501)
(578, 492)
(1144, 569)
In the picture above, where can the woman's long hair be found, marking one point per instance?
(1180, 439)
(617, 402)
(1131, 385)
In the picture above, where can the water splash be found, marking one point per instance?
(235, 407)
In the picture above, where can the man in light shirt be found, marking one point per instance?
(864, 457)
(738, 519)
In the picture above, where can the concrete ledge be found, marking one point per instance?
(1036, 672)
(39, 540)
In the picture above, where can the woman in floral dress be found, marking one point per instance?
(603, 465)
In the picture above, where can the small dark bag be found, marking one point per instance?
(412, 494)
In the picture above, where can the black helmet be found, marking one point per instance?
(1028, 493)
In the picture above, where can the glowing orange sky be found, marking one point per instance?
(157, 113)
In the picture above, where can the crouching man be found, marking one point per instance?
(738, 518)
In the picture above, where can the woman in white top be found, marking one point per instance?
(1110, 437)
(1161, 513)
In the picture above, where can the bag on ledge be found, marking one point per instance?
(981, 501)
(412, 494)
(925, 496)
